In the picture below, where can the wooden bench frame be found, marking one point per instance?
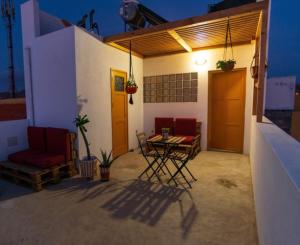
(37, 177)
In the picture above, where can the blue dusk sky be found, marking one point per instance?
(284, 49)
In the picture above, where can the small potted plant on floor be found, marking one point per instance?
(226, 65)
(88, 165)
(105, 164)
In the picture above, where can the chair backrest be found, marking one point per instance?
(164, 122)
(186, 126)
(142, 139)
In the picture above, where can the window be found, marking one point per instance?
(119, 84)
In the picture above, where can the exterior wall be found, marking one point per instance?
(181, 63)
(30, 30)
(49, 23)
(94, 60)
(54, 79)
(280, 93)
(13, 137)
(276, 181)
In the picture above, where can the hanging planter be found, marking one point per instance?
(131, 86)
(227, 65)
(254, 67)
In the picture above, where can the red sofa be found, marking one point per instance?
(164, 122)
(186, 127)
(48, 147)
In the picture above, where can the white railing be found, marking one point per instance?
(275, 160)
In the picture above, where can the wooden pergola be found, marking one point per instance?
(248, 22)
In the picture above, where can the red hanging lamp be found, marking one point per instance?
(131, 86)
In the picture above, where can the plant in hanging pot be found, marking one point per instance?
(254, 67)
(105, 164)
(131, 86)
(226, 65)
(88, 165)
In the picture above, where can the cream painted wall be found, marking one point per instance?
(93, 63)
(181, 63)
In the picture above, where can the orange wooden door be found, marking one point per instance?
(119, 113)
(227, 110)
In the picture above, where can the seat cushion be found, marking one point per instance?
(164, 122)
(37, 138)
(189, 140)
(46, 160)
(58, 142)
(186, 126)
(22, 156)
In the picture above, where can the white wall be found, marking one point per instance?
(280, 93)
(181, 63)
(276, 184)
(94, 60)
(13, 137)
(30, 30)
(49, 23)
(54, 79)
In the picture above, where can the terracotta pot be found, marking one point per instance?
(105, 173)
(88, 168)
(131, 89)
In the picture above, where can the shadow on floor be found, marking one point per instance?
(88, 189)
(10, 190)
(188, 220)
(143, 201)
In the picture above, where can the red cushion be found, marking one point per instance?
(189, 140)
(46, 160)
(58, 142)
(161, 122)
(37, 138)
(20, 157)
(186, 126)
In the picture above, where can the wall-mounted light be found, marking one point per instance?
(200, 61)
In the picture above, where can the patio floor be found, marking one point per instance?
(218, 210)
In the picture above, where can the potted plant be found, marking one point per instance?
(105, 164)
(88, 165)
(165, 133)
(226, 65)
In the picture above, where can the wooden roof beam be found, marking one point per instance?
(179, 39)
(117, 46)
(210, 17)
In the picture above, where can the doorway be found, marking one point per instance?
(119, 109)
(226, 110)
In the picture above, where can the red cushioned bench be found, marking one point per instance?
(50, 156)
(48, 147)
(185, 127)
